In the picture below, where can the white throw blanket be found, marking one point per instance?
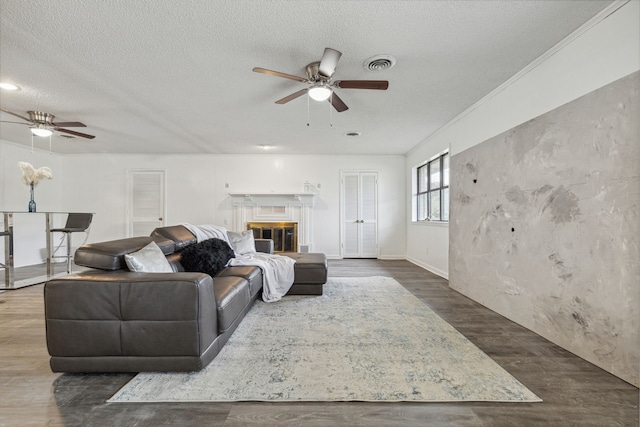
(277, 270)
(206, 232)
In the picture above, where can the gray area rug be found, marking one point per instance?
(365, 339)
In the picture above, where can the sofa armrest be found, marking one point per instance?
(120, 313)
(264, 245)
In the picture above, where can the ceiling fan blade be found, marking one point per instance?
(362, 84)
(14, 114)
(291, 97)
(337, 103)
(73, 132)
(17, 123)
(70, 124)
(329, 62)
(279, 74)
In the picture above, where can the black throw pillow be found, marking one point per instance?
(209, 256)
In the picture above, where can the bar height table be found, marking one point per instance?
(9, 267)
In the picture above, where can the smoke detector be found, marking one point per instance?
(379, 63)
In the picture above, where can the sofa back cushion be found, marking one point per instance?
(174, 262)
(180, 236)
(110, 255)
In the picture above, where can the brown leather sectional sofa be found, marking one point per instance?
(109, 319)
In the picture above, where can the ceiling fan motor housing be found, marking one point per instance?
(40, 117)
(312, 73)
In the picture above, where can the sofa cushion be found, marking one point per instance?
(242, 243)
(253, 275)
(232, 297)
(209, 256)
(149, 259)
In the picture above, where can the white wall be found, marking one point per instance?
(602, 51)
(197, 192)
(545, 226)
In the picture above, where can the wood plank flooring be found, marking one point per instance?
(575, 393)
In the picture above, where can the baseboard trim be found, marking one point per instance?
(428, 267)
(392, 257)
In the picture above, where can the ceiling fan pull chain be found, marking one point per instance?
(307, 110)
(31, 143)
(50, 153)
(331, 108)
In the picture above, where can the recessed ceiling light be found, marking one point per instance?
(265, 146)
(352, 134)
(9, 86)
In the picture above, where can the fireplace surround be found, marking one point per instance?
(276, 208)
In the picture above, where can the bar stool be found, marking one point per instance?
(9, 255)
(76, 223)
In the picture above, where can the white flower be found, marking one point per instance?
(34, 176)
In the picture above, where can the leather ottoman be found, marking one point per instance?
(310, 273)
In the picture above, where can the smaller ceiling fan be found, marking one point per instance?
(321, 86)
(42, 124)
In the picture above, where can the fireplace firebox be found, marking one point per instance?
(283, 234)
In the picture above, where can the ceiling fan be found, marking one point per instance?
(322, 87)
(42, 124)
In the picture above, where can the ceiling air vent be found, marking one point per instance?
(379, 63)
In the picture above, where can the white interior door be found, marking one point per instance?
(146, 201)
(359, 214)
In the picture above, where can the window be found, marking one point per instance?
(433, 190)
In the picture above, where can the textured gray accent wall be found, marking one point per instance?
(545, 226)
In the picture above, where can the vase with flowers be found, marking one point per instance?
(31, 177)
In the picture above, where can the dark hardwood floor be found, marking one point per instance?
(575, 393)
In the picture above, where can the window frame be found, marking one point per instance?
(424, 190)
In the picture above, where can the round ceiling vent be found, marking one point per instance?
(379, 63)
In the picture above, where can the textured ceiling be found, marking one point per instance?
(175, 76)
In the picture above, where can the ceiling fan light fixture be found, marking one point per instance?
(9, 86)
(41, 130)
(320, 93)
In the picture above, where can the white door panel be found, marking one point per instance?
(359, 214)
(146, 201)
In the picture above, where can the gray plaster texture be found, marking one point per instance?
(545, 226)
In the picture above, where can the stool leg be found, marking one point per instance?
(68, 252)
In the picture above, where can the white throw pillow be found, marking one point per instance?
(242, 243)
(149, 259)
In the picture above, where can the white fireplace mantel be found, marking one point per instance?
(274, 197)
(276, 207)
